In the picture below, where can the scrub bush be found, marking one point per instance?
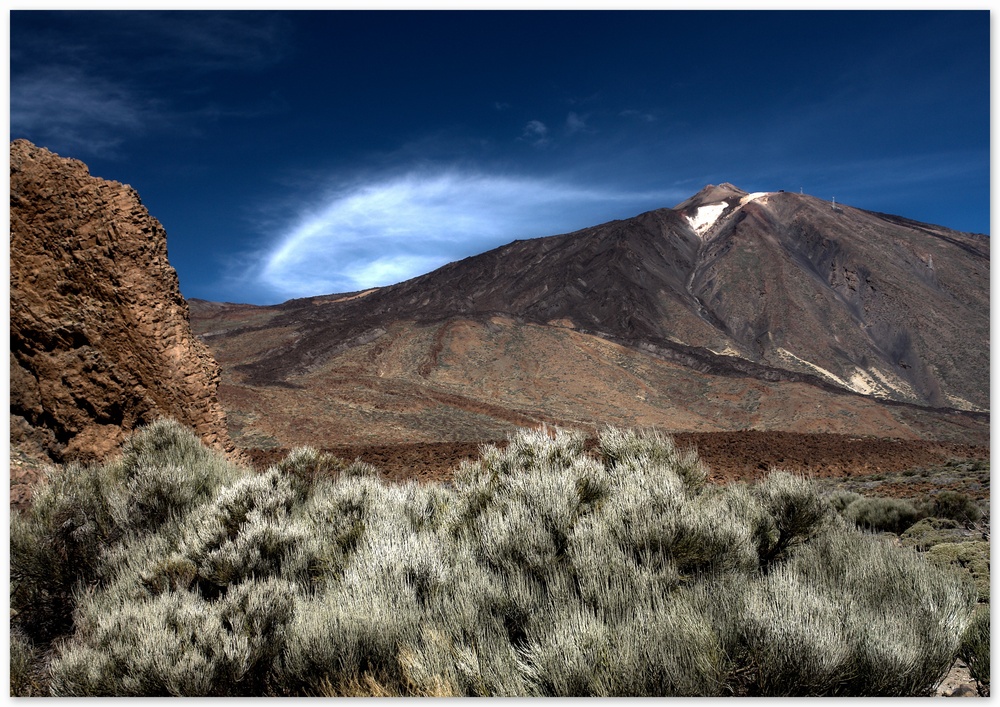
(176, 643)
(23, 658)
(953, 505)
(839, 500)
(898, 638)
(972, 558)
(975, 649)
(80, 511)
(542, 570)
(928, 532)
(891, 515)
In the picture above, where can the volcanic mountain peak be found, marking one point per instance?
(697, 317)
(715, 204)
(780, 281)
(711, 194)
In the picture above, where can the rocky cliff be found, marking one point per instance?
(100, 340)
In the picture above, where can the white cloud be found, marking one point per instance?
(535, 128)
(402, 226)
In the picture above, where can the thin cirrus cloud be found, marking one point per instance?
(69, 110)
(73, 92)
(536, 132)
(402, 226)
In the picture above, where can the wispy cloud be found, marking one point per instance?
(575, 123)
(536, 132)
(638, 115)
(217, 40)
(404, 225)
(70, 89)
(69, 110)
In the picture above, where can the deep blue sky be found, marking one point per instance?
(302, 153)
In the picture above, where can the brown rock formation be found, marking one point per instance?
(100, 340)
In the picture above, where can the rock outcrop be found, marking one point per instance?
(100, 340)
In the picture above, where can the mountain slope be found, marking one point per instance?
(775, 310)
(863, 301)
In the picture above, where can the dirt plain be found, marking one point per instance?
(870, 465)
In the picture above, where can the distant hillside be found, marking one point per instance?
(730, 311)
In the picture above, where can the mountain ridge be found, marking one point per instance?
(655, 282)
(781, 313)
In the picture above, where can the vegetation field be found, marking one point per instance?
(541, 568)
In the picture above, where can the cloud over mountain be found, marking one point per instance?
(394, 228)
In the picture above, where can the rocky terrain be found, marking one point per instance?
(731, 311)
(99, 332)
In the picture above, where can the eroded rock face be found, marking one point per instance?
(100, 338)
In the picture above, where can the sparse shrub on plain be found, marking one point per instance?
(840, 499)
(890, 515)
(928, 532)
(953, 505)
(543, 570)
(975, 649)
(972, 558)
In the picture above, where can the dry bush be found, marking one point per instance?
(953, 505)
(24, 680)
(967, 559)
(542, 571)
(892, 515)
(975, 649)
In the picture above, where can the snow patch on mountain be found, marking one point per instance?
(753, 197)
(706, 216)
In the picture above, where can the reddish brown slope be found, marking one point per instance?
(788, 287)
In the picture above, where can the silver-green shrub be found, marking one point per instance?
(80, 512)
(849, 614)
(975, 649)
(176, 643)
(543, 570)
(23, 659)
(893, 515)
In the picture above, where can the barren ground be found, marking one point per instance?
(874, 466)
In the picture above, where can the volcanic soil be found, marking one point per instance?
(875, 466)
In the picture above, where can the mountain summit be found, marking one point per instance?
(772, 288)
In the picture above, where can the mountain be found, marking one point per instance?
(100, 339)
(729, 311)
